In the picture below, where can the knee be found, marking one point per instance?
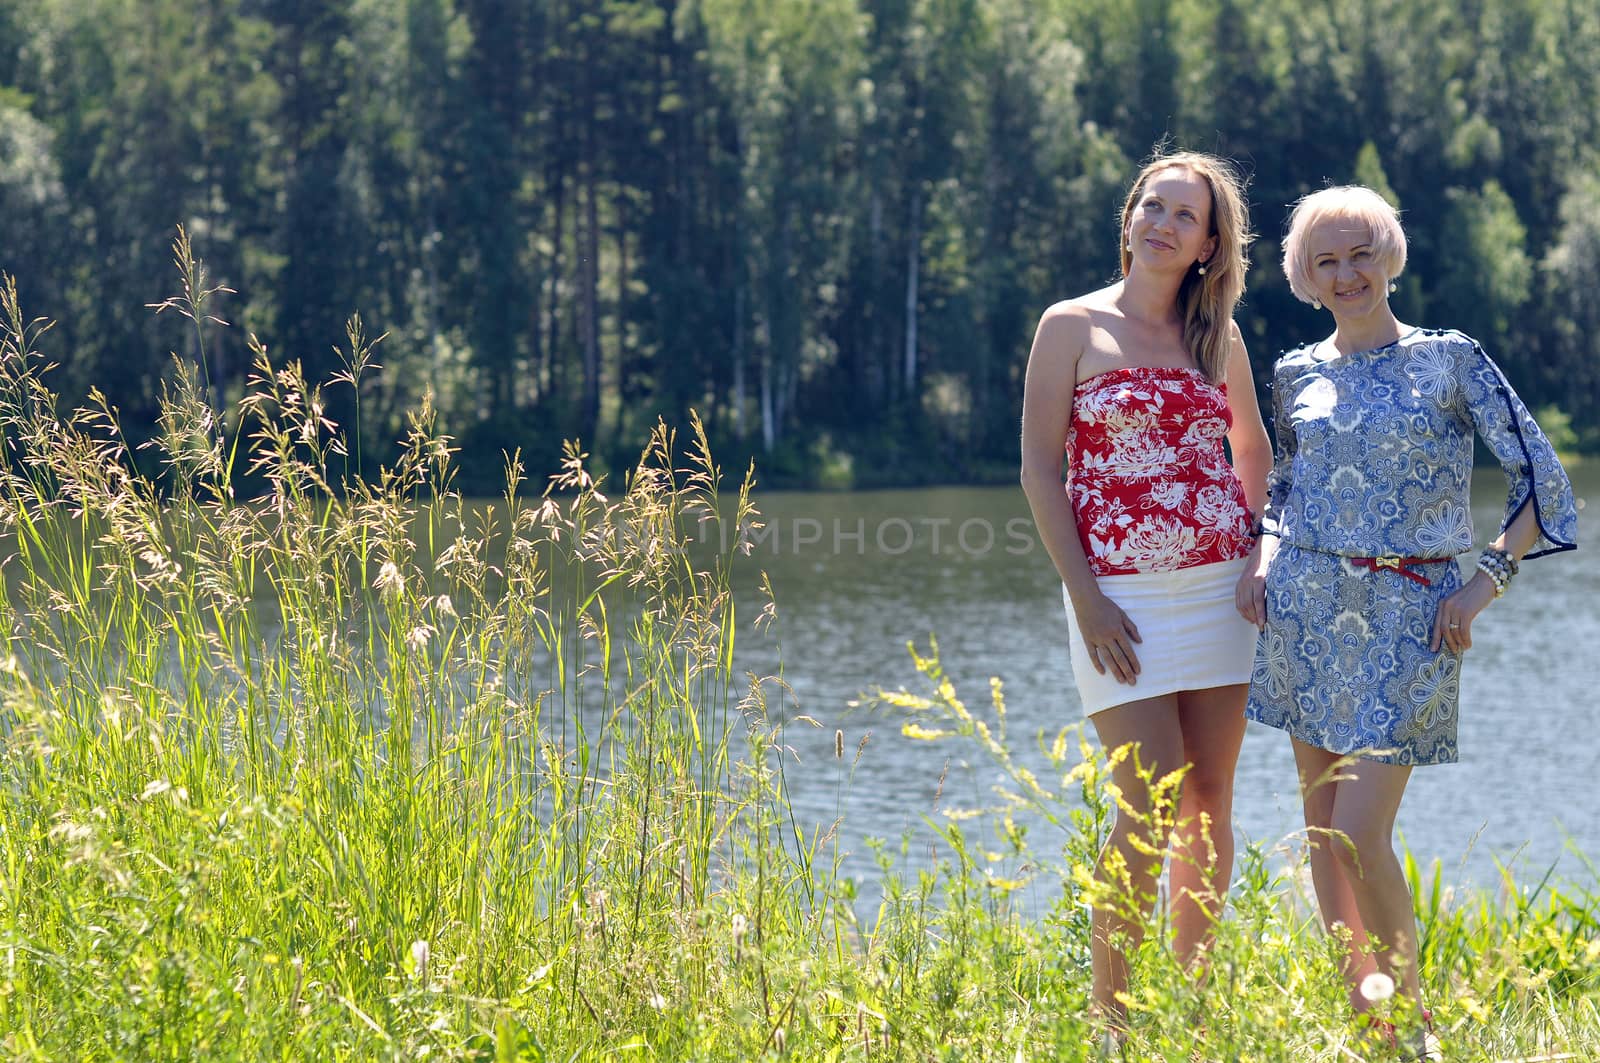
(1319, 815)
(1130, 825)
(1321, 842)
(1347, 852)
(1318, 808)
(1134, 838)
(1357, 845)
(1208, 792)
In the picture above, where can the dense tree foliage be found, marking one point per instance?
(829, 225)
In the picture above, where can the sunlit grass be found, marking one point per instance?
(354, 769)
(1511, 973)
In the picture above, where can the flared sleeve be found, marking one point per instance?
(1281, 477)
(1533, 472)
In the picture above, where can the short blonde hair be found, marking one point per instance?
(1357, 204)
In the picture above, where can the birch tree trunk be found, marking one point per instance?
(769, 434)
(554, 370)
(589, 274)
(913, 262)
(738, 363)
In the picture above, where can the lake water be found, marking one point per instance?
(859, 575)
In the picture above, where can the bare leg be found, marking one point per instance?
(1152, 725)
(1364, 809)
(1334, 898)
(1213, 726)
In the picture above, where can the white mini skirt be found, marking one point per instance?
(1194, 638)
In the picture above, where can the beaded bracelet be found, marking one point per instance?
(1499, 566)
(1494, 575)
(1503, 558)
(1496, 562)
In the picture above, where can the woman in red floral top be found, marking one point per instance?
(1138, 385)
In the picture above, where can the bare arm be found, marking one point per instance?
(1252, 458)
(1247, 439)
(1046, 414)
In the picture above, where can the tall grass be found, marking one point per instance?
(353, 769)
(1508, 974)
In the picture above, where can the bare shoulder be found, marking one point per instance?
(1058, 346)
(1067, 314)
(1065, 327)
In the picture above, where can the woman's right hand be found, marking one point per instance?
(1250, 594)
(1109, 635)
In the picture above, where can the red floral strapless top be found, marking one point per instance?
(1149, 482)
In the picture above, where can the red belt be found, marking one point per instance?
(1400, 565)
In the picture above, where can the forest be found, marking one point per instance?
(828, 226)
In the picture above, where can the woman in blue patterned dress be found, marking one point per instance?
(1362, 609)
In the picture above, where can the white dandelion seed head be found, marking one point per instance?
(1377, 987)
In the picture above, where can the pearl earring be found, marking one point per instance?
(1393, 287)
(1202, 270)
(1316, 304)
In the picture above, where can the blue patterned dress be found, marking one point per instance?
(1374, 458)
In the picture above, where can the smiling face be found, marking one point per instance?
(1344, 270)
(1169, 226)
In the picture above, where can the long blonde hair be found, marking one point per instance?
(1206, 301)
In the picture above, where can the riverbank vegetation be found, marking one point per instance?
(828, 225)
(349, 769)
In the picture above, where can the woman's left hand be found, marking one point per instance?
(1250, 593)
(1452, 628)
